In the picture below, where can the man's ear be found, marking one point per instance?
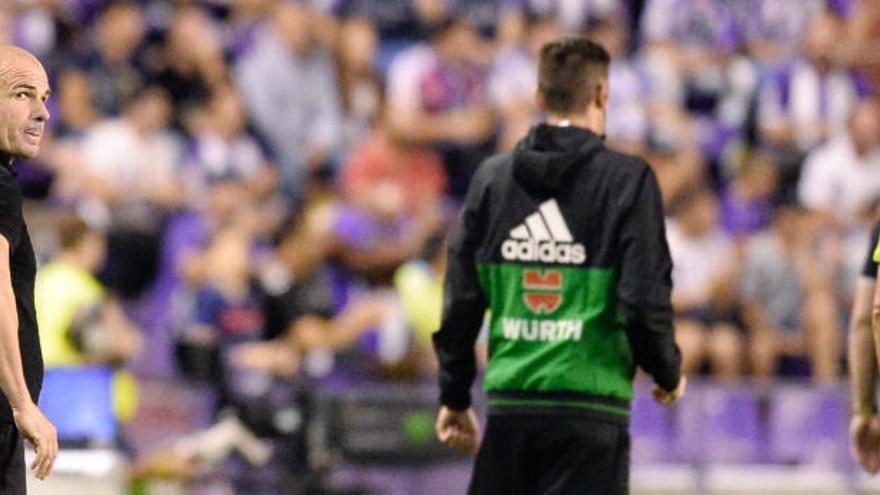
(602, 95)
(539, 100)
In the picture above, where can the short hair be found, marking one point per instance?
(444, 25)
(691, 198)
(568, 71)
(72, 230)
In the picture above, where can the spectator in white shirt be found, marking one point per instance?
(842, 177)
(704, 263)
(288, 82)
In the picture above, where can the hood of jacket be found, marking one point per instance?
(544, 157)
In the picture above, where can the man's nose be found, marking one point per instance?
(41, 112)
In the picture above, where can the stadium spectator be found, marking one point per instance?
(184, 267)
(229, 304)
(809, 99)
(191, 63)
(81, 324)
(512, 79)
(76, 111)
(244, 22)
(628, 125)
(673, 153)
(772, 31)
(437, 96)
(414, 170)
(841, 178)
(703, 275)
(131, 163)
(573, 17)
(398, 23)
(484, 15)
(222, 149)
(687, 45)
(305, 315)
(287, 73)
(128, 184)
(361, 91)
(746, 203)
(788, 302)
(376, 232)
(113, 64)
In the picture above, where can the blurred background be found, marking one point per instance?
(241, 207)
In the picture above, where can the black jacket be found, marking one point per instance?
(563, 241)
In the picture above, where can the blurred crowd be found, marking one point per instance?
(255, 193)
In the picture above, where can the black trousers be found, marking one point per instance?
(550, 454)
(12, 470)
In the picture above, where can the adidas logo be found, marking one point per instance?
(544, 236)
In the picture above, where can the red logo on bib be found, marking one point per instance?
(542, 290)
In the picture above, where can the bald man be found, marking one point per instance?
(24, 89)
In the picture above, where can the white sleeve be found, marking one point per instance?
(816, 185)
(102, 149)
(404, 75)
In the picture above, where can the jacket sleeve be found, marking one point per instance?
(464, 304)
(645, 285)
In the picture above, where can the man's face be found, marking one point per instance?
(457, 44)
(865, 126)
(822, 40)
(24, 89)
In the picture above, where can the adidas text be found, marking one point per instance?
(546, 252)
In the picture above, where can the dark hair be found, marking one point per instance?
(444, 25)
(71, 230)
(568, 71)
(691, 198)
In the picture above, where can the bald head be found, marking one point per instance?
(10, 54)
(24, 89)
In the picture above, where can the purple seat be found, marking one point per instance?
(719, 425)
(650, 428)
(808, 425)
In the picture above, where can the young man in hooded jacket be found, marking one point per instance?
(563, 241)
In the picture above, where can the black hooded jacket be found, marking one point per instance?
(563, 241)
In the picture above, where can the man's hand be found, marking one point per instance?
(667, 397)
(37, 429)
(275, 356)
(864, 441)
(458, 429)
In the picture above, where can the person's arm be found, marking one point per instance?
(32, 424)
(340, 332)
(645, 286)
(864, 426)
(11, 370)
(464, 305)
(862, 356)
(380, 258)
